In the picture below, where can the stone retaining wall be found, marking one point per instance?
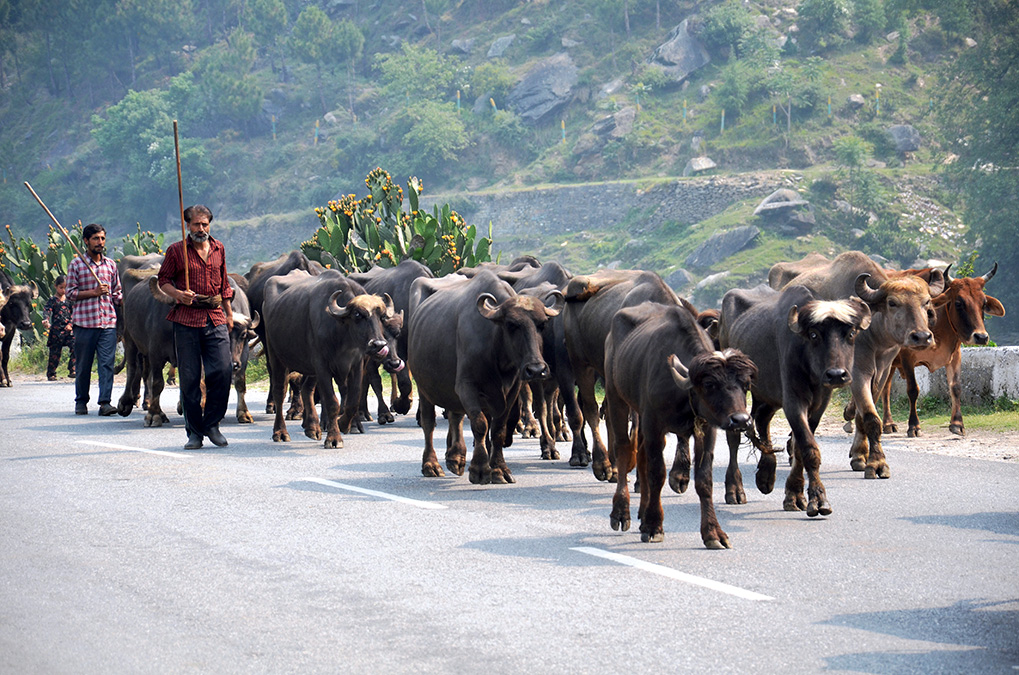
(988, 373)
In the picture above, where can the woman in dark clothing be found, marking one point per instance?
(58, 321)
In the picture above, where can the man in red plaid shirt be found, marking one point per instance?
(94, 317)
(202, 321)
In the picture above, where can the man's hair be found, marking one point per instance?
(92, 229)
(60, 279)
(192, 211)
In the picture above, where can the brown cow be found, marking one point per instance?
(902, 310)
(661, 365)
(959, 313)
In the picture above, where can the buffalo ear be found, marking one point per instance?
(255, 319)
(793, 320)
(488, 307)
(863, 312)
(558, 302)
(680, 374)
(993, 306)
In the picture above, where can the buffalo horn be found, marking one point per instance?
(866, 293)
(333, 307)
(488, 307)
(679, 372)
(256, 318)
(987, 277)
(557, 303)
(389, 305)
(948, 277)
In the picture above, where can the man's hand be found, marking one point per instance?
(186, 297)
(103, 289)
(228, 311)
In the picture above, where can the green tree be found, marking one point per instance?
(737, 85)
(225, 73)
(979, 122)
(869, 18)
(314, 41)
(823, 23)
(152, 28)
(416, 72)
(432, 136)
(724, 27)
(492, 79)
(267, 20)
(349, 42)
(852, 153)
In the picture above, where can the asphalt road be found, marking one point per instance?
(122, 553)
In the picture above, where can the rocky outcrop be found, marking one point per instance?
(610, 127)
(722, 245)
(906, 138)
(545, 89)
(681, 54)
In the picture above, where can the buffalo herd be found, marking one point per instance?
(525, 345)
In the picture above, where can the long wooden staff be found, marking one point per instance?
(180, 196)
(66, 234)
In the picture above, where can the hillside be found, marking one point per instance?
(277, 119)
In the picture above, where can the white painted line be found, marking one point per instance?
(671, 573)
(372, 493)
(128, 447)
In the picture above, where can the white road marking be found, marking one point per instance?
(373, 493)
(129, 447)
(671, 573)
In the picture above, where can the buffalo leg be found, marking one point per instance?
(456, 446)
(913, 392)
(277, 389)
(480, 469)
(651, 471)
(624, 447)
(734, 493)
(402, 404)
(501, 434)
(679, 474)
(310, 420)
(601, 463)
(131, 387)
(241, 387)
(766, 465)
(155, 417)
(430, 466)
(886, 399)
(703, 453)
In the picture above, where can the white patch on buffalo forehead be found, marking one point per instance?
(837, 310)
(241, 318)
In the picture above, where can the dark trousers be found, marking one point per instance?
(208, 346)
(56, 351)
(88, 344)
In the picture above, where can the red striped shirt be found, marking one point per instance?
(205, 277)
(96, 312)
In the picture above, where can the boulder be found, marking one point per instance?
(697, 165)
(856, 101)
(463, 46)
(906, 138)
(681, 54)
(780, 201)
(545, 90)
(679, 279)
(500, 46)
(721, 245)
(607, 128)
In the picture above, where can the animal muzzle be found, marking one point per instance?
(836, 377)
(237, 365)
(920, 339)
(378, 349)
(981, 338)
(738, 422)
(25, 325)
(393, 365)
(535, 371)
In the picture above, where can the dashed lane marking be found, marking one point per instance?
(671, 573)
(165, 453)
(374, 493)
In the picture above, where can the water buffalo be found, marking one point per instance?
(959, 319)
(473, 342)
(591, 302)
(902, 311)
(396, 282)
(322, 326)
(661, 365)
(803, 347)
(15, 315)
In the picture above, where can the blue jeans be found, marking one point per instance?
(208, 346)
(89, 343)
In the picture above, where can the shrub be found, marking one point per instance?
(724, 27)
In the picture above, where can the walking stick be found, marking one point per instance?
(65, 232)
(180, 197)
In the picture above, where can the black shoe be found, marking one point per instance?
(51, 378)
(194, 441)
(80, 409)
(105, 410)
(216, 436)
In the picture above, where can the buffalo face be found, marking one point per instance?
(965, 304)
(363, 316)
(829, 329)
(243, 332)
(717, 383)
(521, 320)
(907, 306)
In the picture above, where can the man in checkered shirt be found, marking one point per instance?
(94, 317)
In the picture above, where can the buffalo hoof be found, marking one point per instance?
(294, 414)
(794, 502)
(890, 428)
(477, 476)
(124, 408)
(314, 433)
(580, 458)
(155, 420)
(715, 544)
(245, 418)
(386, 418)
(270, 408)
(957, 429)
(549, 452)
(432, 470)
(765, 476)
(657, 538)
(620, 518)
(604, 471)
(879, 471)
(848, 427)
(818, 506)
(278, 436)
(734, 494)
(333, 442)
(913, 432)
(401, 408)
(858, 464)
(455, 463)
(679, 481)
(502, 476)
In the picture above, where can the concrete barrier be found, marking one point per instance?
(988, 373)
